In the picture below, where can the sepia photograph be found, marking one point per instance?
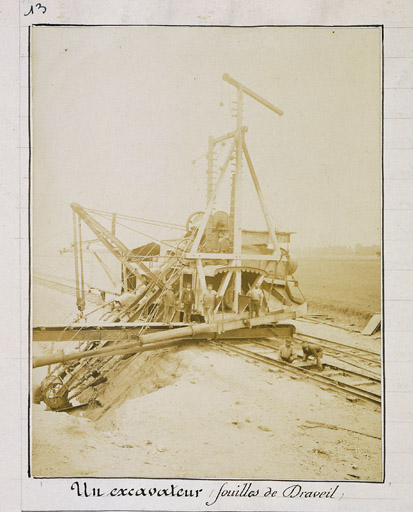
(206, 263)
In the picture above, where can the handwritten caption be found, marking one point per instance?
(36, 8)
(226, 490)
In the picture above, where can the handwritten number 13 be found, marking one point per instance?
(39, 7)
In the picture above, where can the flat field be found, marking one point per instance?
(341, 286)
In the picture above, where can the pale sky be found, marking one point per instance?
(120, 113)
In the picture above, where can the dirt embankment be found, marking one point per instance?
(202, 413)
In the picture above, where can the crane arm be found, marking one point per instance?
(251, 93)
(115, 246)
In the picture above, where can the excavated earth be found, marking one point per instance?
(202, 413)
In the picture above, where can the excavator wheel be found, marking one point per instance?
(55, 393)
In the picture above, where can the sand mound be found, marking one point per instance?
(198, 412)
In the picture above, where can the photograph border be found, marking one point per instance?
(30, 281)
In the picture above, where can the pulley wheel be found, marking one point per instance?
(194, 221)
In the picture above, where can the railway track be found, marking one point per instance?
(346, 358)
(357, 384)
(370, 361)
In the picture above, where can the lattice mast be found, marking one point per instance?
(238, 148)
(235, 221)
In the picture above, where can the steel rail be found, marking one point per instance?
(356, 352)
(338, 343)
(320, 379)
(346, 355)
(372, 376)
(371, 372)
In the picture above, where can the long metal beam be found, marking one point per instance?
(230, 256)
(267, 216)
(134, 346)
(129, 331)
(253, 94)
(113, 350)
